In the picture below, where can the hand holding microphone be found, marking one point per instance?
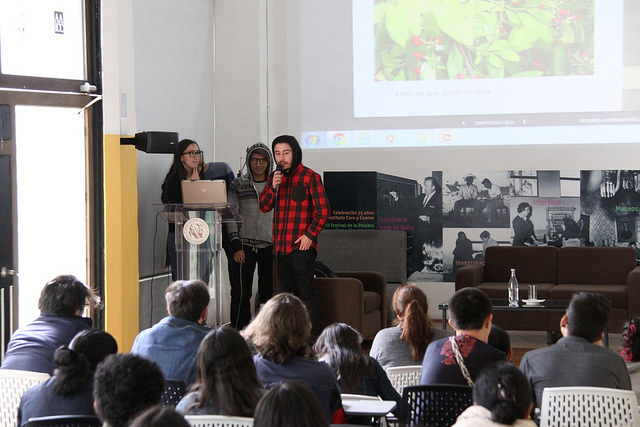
(277, 178)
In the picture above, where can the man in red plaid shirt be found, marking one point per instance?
(301, 209)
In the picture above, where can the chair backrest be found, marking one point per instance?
(65, 421)
(12, 384)
(434, 405)
(218, 421)
(402, 376)
(172, 392)
(588, 406)
(350, 396)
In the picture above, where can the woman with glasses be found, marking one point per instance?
(187, 164)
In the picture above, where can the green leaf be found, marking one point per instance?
(426, 72)
(509, 55)
(569, 36)
(389, 60)
(399, 77)
(522, 38)
(452, 23)
(499, 45)
(378, 12)
(429, 24)
(454, 63)
(495, 61)
(411, 10)
(396, 25)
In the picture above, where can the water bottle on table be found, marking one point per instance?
(514, 293)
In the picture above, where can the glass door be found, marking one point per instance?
(50, 150)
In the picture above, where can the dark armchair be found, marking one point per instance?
(357, 298)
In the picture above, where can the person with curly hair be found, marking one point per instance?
(226, 383)
(62, 303)
(280, 335)
(405, 343)
(501, 396)
(124, 386)
(70, 390)
(631, 352)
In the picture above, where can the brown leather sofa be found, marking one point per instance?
(559, 273)
(357, 298)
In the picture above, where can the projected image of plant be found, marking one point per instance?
(462, 39)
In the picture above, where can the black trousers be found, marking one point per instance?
(295, 273)
(242, 283)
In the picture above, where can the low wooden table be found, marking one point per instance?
(503, 305)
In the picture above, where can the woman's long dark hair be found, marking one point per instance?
(411, 306)
(505, 391)
(76, 363)
(226, 373)
(339, 346)
(177, 168)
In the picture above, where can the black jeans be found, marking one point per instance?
(295, 273)
(242, 283)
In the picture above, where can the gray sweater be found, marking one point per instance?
(389, 350)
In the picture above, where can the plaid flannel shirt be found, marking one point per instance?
(303, 208)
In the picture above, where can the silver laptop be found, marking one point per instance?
(204, 191)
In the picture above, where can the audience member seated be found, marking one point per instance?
(631, 352)
(339, 346)
(70, 390)
(499, 338)
(280, 334)
(405, 343)
(173, 342)
(459, 359)
(61, 304)
(578, 359)
(501, 396)
(124, 386)
(226, 382)
(290, 404)
(157, 416)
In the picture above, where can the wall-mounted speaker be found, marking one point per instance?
(153, 141)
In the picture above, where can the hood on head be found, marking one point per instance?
(295, 148)
(264, 150)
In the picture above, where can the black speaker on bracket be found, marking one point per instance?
(153, 141)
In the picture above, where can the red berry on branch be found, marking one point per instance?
(418, 55)
(575, 16)
(416, 70)
(540, 6)
(564, 12)
(460, 75)
(417, 41)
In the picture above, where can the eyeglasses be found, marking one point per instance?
(193, 153)
(257, 161)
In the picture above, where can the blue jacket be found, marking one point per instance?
(31, 347)
(173, 344)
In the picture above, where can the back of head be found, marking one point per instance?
(505, 391)
(588, 315)
(75, 363)
(187, 299)
(631, 340)
(411, 307)
(290, 404)
(281, 329)
(124, 386)
(65, 296)
(339, 345)
(499, 338)
(157, 416)
(469, 309)
(226, 373)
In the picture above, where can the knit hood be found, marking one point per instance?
(295, 148)
(262, 149)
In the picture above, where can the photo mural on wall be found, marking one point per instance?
(451, 217)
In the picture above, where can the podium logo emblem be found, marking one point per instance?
(195, 231)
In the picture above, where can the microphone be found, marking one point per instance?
(279, 169)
